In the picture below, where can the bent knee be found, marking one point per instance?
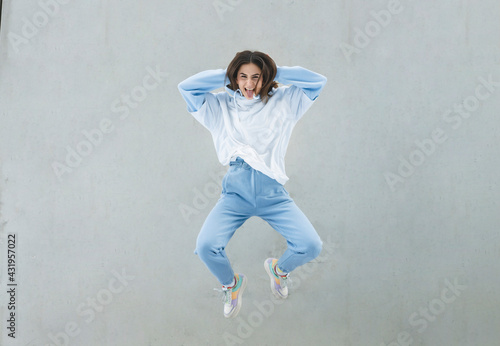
(206, 248)
(311, 249)
(314, 248)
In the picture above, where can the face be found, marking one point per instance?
(249, 81)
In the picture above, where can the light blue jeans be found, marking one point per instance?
(247, 192)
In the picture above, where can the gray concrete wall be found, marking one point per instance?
(396, 165)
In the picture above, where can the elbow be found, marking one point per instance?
(181, 87)
(321, 84)
(323, 80)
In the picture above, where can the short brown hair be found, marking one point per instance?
(263, 61)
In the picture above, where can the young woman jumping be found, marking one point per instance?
(251, 123)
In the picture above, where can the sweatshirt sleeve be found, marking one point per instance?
(196, 88)
(310, 82)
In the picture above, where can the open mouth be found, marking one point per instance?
(249, 93)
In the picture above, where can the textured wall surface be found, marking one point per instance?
(106, 179)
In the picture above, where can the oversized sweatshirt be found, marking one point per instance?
(257, 132)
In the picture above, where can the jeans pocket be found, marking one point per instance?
(224, 183)
(233, 175)
(226, 177)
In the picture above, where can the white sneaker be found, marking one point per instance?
(279, 285)
(232, 296)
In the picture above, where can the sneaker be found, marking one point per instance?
(278, 283)
(232, 296)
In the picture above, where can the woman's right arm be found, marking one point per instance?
(194, 90)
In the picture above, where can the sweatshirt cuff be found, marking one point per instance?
(278, 74)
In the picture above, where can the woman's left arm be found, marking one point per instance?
(310, 82)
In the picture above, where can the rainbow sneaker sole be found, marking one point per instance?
(233, 296)
(278, 284)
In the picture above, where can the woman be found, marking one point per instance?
(251, 124)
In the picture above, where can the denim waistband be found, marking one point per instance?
(239, 162)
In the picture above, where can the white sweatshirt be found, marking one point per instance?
(258, 133)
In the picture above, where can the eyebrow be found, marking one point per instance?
(254, 75)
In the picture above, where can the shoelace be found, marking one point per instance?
(284, 281)
(225, 295)
(228, 296)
